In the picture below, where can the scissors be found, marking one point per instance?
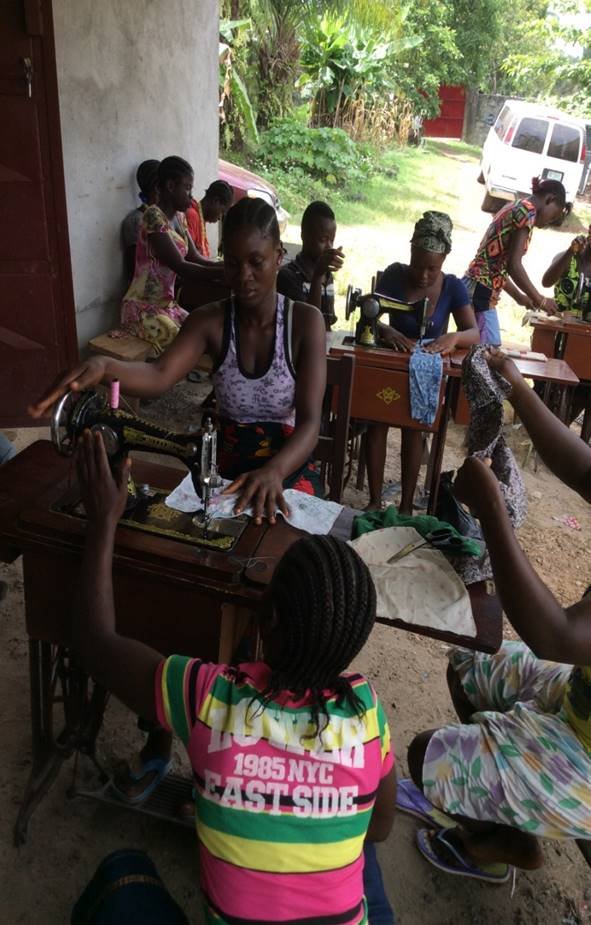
(443, 538)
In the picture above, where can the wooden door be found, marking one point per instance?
(37, 323)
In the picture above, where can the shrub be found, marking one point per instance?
(328, 155)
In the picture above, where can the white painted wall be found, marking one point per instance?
(137, 79)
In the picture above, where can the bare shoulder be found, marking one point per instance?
(308, 321)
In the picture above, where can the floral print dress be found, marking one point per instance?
(149, 308)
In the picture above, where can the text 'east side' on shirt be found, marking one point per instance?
(281, 814)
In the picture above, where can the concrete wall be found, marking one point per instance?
(481, 111)
(137, 79)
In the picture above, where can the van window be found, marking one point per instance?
(565, 142)
(531, 135)
(502, 123)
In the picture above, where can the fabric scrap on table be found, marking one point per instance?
(421, 588)
(424, 381)
(422, 523)
(307, 512)
(486, 390)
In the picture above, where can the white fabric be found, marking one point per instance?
(314, 515)
(421, 588)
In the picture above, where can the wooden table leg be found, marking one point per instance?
(437, 449)
(47, 759)
(56, 678)
(586, 428)
(234, 625)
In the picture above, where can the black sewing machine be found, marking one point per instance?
(122, 432)
(372, 307)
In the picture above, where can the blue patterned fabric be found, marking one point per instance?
(424, 379)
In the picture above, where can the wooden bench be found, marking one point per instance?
(128, 348)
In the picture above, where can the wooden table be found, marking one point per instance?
(175, 596)
(381, 394)
(553, 372)
(569, 341)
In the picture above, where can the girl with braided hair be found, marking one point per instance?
(291, 755)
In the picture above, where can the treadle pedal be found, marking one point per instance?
(163, 803)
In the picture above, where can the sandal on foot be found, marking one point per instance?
(413, 802)
(436, 848)
(159, 765)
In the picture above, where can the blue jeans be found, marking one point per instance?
(7, 451)
(379, 910)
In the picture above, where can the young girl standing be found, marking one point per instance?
(498, 264)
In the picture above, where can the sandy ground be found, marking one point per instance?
(68, 838)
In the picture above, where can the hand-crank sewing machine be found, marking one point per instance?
(123, 432)
(372, 307)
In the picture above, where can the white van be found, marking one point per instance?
(531, 140)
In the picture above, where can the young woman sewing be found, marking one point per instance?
(269, 367)
(269, 381)
(498, 264)
(421, 278)
(517, 766)
(291, 754)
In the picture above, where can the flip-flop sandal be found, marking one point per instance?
(160, 765)
(411, 800)
(438, 850)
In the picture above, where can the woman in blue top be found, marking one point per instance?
(422, 277)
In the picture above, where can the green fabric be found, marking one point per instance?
(423, 524)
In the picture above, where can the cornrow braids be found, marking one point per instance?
(325, 601)
(251, 213)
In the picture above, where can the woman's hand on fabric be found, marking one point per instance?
(263, 491)
(393, 338)
(525, 301)
(104, 493)
(81, 377)
(475, 483)
(444, 344)
(549, 306)
(503, 365)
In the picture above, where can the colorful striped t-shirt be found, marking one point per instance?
(281, 813)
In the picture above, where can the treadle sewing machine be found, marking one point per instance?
(123, 432)
(372, 307)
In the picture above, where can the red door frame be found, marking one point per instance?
(37, 24)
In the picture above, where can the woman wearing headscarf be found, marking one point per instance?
(421, 278)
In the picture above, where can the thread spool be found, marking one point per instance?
(114, 398)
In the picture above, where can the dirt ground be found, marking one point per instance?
(67, 838)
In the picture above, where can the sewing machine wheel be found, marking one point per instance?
(69, 419)
(351, 300)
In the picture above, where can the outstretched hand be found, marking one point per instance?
(475, 483)
(87, 374)
(104, 493)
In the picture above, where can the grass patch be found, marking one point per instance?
(375, 221)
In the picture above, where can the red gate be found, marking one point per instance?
(450, 121)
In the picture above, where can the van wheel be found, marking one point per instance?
(491, 203)
(480, 178)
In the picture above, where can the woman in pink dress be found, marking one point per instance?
(164, 251)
